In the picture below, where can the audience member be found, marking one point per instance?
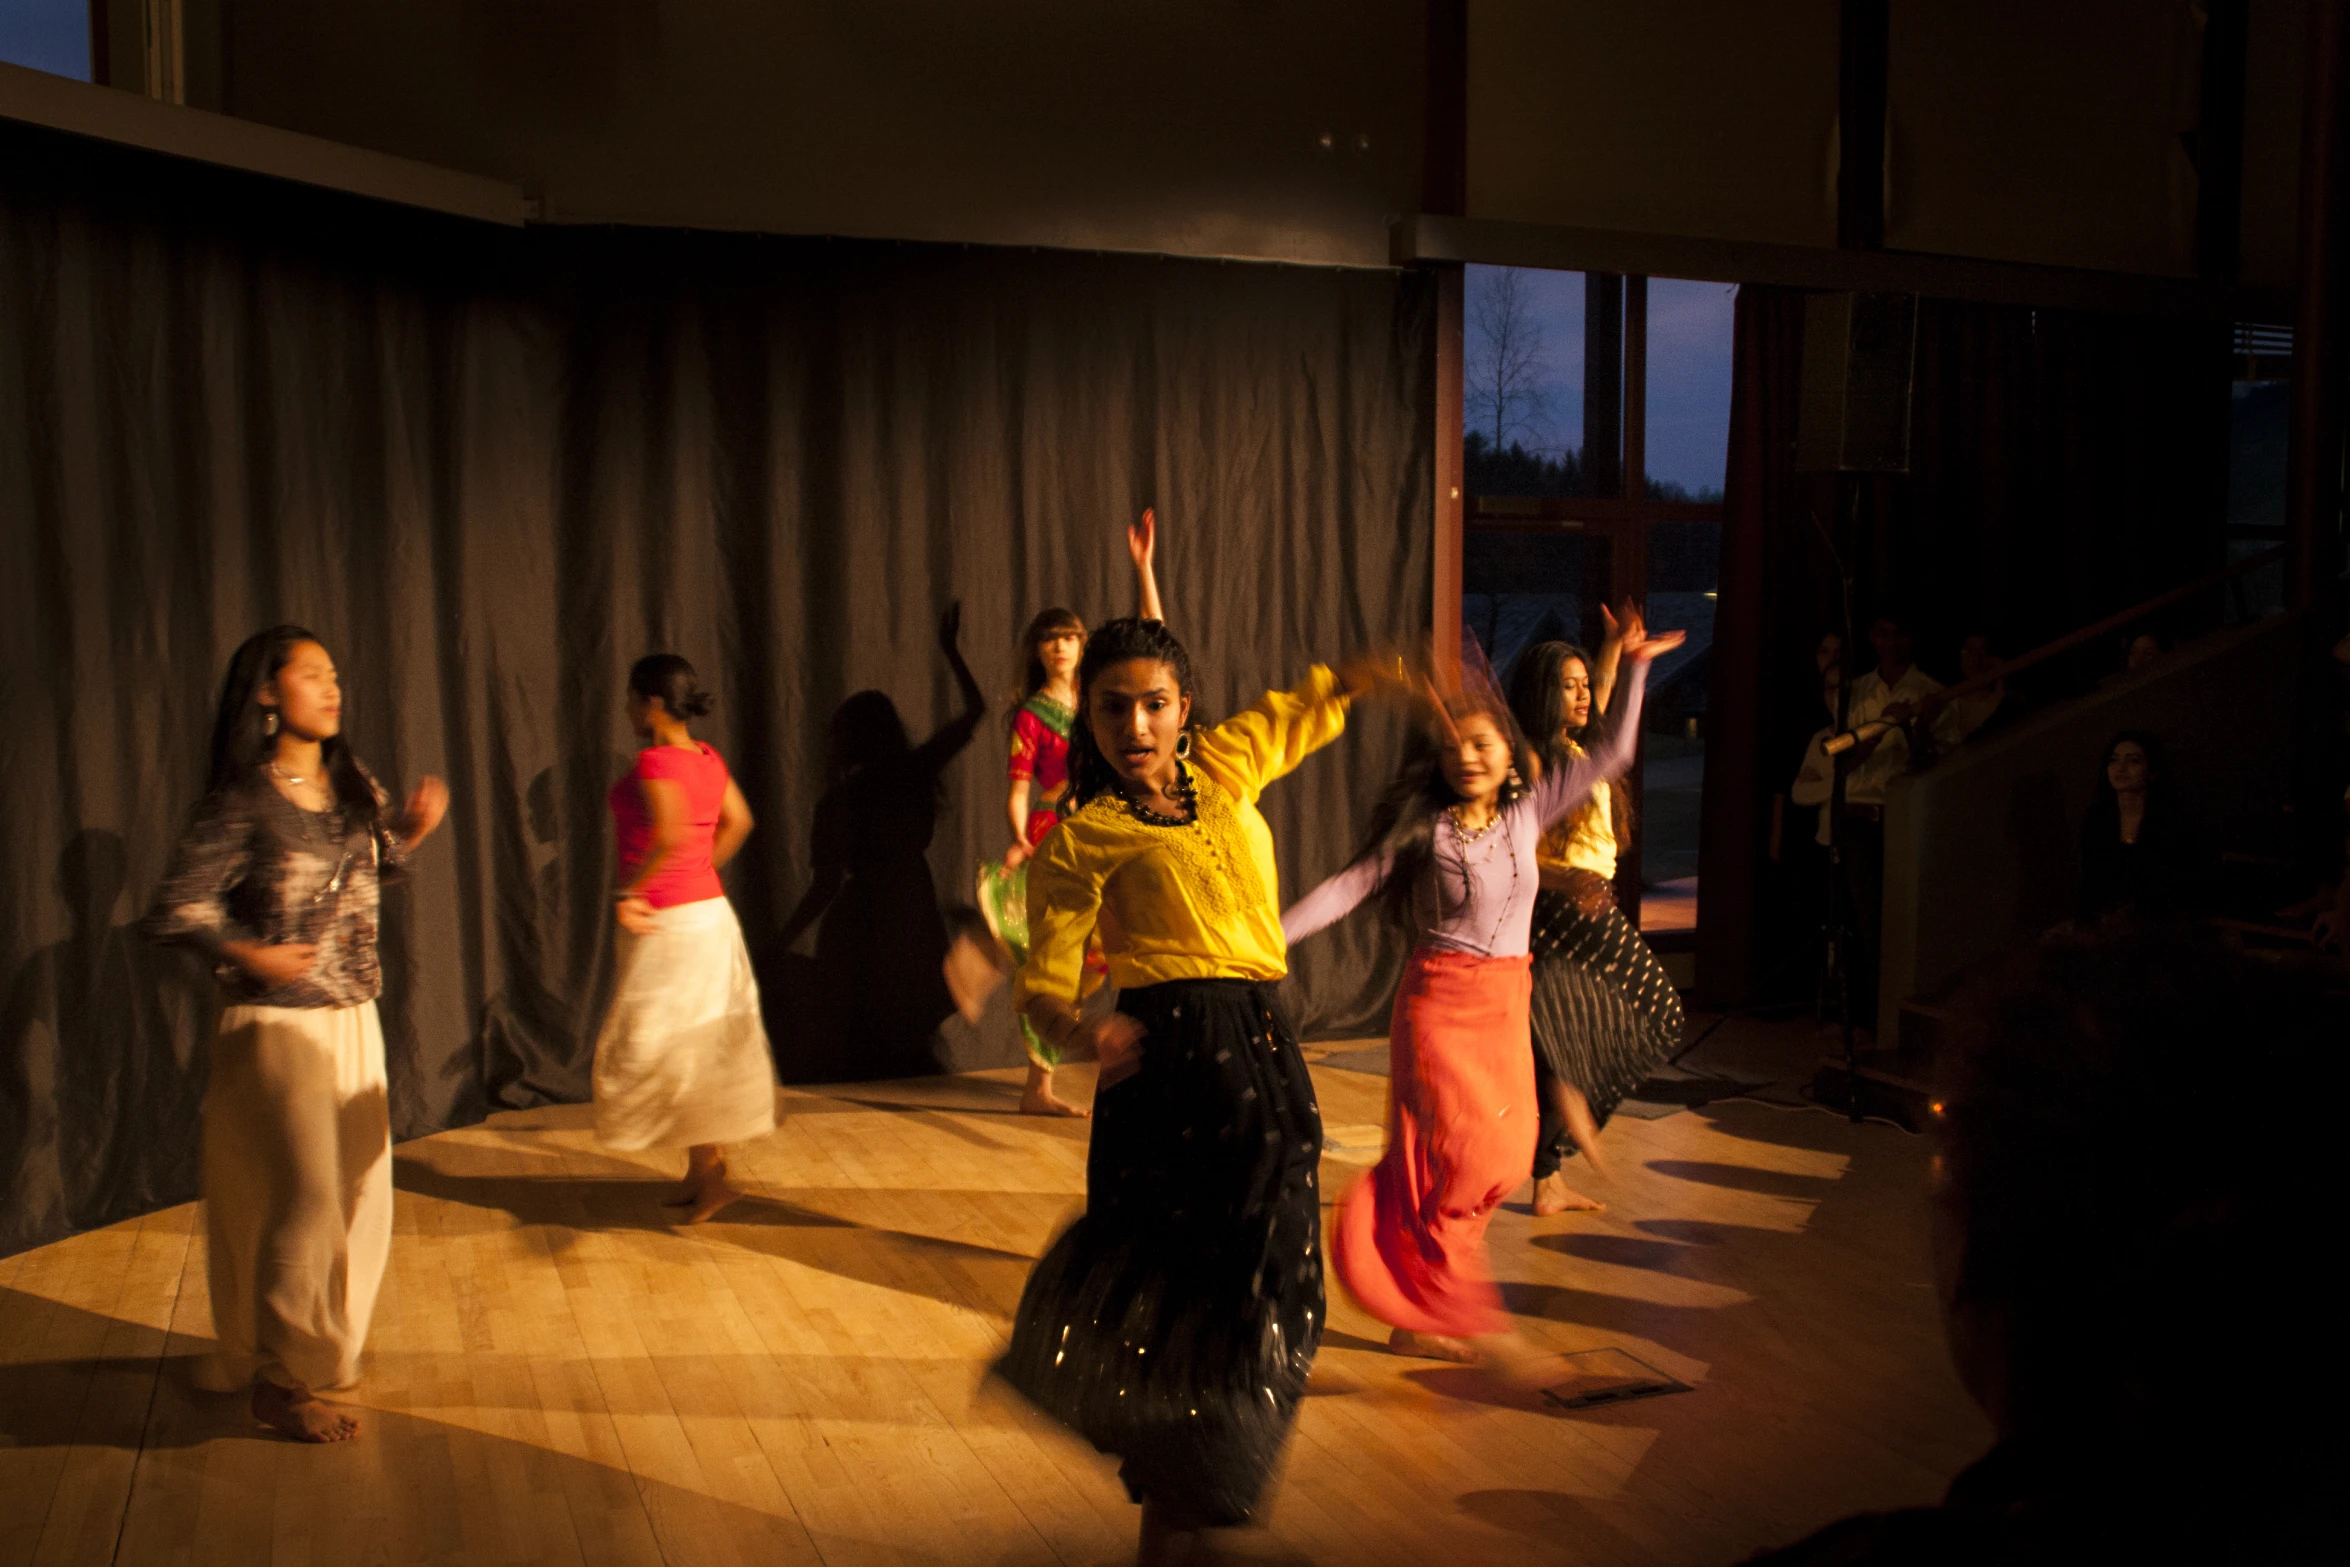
(1893, 693)
(2157, 1351)
(2144, 649)
(1815, 779)
(2136, 853)
(1962, 718)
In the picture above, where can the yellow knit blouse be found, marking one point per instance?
(1202, 901)
(1586, 840)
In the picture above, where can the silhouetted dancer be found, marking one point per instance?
(103, 1071)
(880, 992)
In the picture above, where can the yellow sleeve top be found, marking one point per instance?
(1585, 841)
(1201, 901)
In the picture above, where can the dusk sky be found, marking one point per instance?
(48, 35)
(1688, 369)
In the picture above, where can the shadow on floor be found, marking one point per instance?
(206, 1472)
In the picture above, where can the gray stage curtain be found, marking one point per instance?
(492, 468)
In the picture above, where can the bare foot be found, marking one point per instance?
(1432, 1346)
(1043, 1101)
(684, 1196)
(301, 1414)
(710, 1199)
(1552, 1195)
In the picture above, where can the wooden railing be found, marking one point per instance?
(2072, 639)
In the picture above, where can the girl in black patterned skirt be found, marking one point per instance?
(1604, 1012)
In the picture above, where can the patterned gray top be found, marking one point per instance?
(254, 866)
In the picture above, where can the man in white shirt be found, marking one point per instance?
(1895, 692)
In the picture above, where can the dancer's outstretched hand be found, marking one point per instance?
(1384, 673)
(1641, 644)
(426, 807)
(1142, 540)
(1115, 1041)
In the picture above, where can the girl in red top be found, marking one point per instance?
(682, 1061)
(1039, 772)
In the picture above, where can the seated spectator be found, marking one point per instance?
(2156, 1349)
(2136, 854)
(2144, 649)
(1962, 718)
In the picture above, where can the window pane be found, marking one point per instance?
(48, 35)
(1522, 381)
(1518, 589)
(1689, 334)
(1682, 571)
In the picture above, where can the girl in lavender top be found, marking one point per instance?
(1451, 856)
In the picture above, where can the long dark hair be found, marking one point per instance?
(241, 741)
(1403, 823)
(2104, 820)
(1048, 623)
(1537, 702)
(1540, 707)
(1117, 642)
(672, 680)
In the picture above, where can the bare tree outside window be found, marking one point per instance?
(1504, 381)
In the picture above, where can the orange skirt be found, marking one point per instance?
(1461, 1122)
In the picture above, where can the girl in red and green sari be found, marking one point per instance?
(1038, 769)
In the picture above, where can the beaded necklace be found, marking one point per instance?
(1183, 791)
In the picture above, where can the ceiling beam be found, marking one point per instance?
(127, 119)
(1425, 238)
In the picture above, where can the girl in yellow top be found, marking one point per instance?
(1604, 1013)
(1174, 1323)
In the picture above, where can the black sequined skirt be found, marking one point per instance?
(1174, 1324)
(1604, 1013)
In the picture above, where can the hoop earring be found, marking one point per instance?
(268, 721)
(1183, 746)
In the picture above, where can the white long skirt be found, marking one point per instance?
(682, 1058)
(297, 1177)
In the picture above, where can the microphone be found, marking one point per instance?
(1837, 745)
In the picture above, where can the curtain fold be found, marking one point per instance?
(490, 469)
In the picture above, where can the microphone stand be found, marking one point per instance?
(1837, 934)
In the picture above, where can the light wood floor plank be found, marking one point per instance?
(558, 1375)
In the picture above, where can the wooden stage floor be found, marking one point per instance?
(558, 1376)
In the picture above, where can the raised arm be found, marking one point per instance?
(949, 739)
(1274, 733)
(1142, 544)
(1334, 899)
(1611, 652)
